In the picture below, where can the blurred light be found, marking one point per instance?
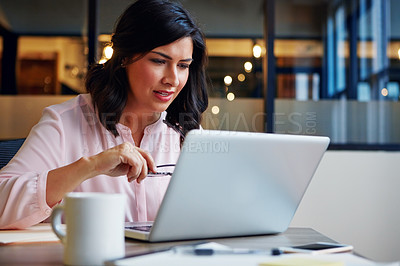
(102, 61)
(248, 67)
(228, 80)
(230, 96)
(47, 80)
(104, 38)
(75, 71)
(241, 77)
(398, 52)
(385, 92)
(215, 110)
(108, 52)
(257, 51)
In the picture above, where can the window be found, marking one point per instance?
(346, 84)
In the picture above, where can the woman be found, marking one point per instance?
(140, 105)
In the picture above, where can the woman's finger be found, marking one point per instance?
(149, 160)
(126, 159)
(144, 171)
(135, 167)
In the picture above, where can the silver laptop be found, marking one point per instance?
(234, 184)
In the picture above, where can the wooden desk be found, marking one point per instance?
(52, 253)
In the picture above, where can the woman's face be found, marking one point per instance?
(156, 79)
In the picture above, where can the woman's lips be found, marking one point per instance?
(164, 96)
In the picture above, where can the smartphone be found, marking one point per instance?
(317, 248)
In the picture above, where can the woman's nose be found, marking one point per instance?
(171, 77)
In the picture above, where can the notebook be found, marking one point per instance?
(229, 183)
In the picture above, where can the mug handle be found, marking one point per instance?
(56, 222)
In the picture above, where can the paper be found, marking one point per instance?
(38, 233)
(302, 261)
(172, 257)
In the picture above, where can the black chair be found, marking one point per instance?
(8, 148)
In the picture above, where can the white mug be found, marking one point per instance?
(95, 227)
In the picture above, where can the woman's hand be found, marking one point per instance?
(124, 159)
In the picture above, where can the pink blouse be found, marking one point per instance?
(65, 133)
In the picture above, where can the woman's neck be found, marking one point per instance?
(137, 122)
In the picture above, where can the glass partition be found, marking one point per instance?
(345, 83)
(235, 70)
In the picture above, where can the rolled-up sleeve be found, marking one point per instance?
(23, 180)
(23, 200)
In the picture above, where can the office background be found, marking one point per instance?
(313, 67)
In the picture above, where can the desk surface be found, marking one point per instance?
(52, 253)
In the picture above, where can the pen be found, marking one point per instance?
(210, 252)
(276, 251)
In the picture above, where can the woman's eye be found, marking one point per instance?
(184, 66)
(158, 61)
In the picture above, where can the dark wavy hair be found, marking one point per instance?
(145, 25)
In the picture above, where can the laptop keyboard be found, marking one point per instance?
(144, 228)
